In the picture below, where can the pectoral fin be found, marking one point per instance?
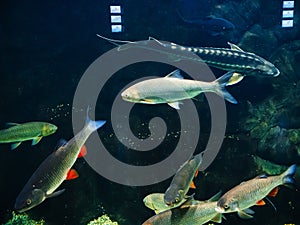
(54, 194)
(217, 218)
(192, 185)
(36, 140)
(82, 152)
(15, 145)
(244, 215)
(175, 105)
(260, 202)
(196, 173)
(274, 192)
(72, 174)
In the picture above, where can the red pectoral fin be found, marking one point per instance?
(260, 202)
(192, 185)
(82, 152)
(72, 174)
(274, 192)
(196, 173)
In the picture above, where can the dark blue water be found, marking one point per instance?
(45, 47)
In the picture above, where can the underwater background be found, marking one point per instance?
(45, 47)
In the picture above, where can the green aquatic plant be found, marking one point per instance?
(23, 219)
(102, 220)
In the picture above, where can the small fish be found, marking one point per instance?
(55, 169)
(190, 213)
(155, 201)
(182, 181)
(18, 133)
(213, 25)
(229, 59)
(251, 192)
(172, 88)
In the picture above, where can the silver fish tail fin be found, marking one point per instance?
(287, 176)
(221, 83)
(93, 125)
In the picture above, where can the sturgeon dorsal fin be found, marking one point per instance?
(157, 41)
(235, 47)
(175, 74)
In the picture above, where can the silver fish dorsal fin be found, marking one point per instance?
(235, 47)
(175, 105)
(216, 197)
(175, 74)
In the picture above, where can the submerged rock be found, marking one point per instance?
(261, 41)
(275, 122)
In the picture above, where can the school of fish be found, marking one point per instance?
(175, 206)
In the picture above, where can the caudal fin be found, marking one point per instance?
(288, 175)
(93, 125)
(221, 83)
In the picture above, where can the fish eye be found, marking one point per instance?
(28, 201)
(226, 206)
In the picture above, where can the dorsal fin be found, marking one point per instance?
(118, 42)
(175, 74)
(215, 197)
(235, 47)
(60, 143)
(262, 176)
(153, 39)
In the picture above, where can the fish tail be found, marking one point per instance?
(93, 125)
(221, 83)
(287, 176)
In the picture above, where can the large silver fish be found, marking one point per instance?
(249, 193)
(172, 89)
(18, 133)
(229, 59)
(182, 181)
(54, 170)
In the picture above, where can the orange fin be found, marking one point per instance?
(196, 173)
(72, 174)
(192, 185)
(82, 152)
(274, 192)
(260, 202)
